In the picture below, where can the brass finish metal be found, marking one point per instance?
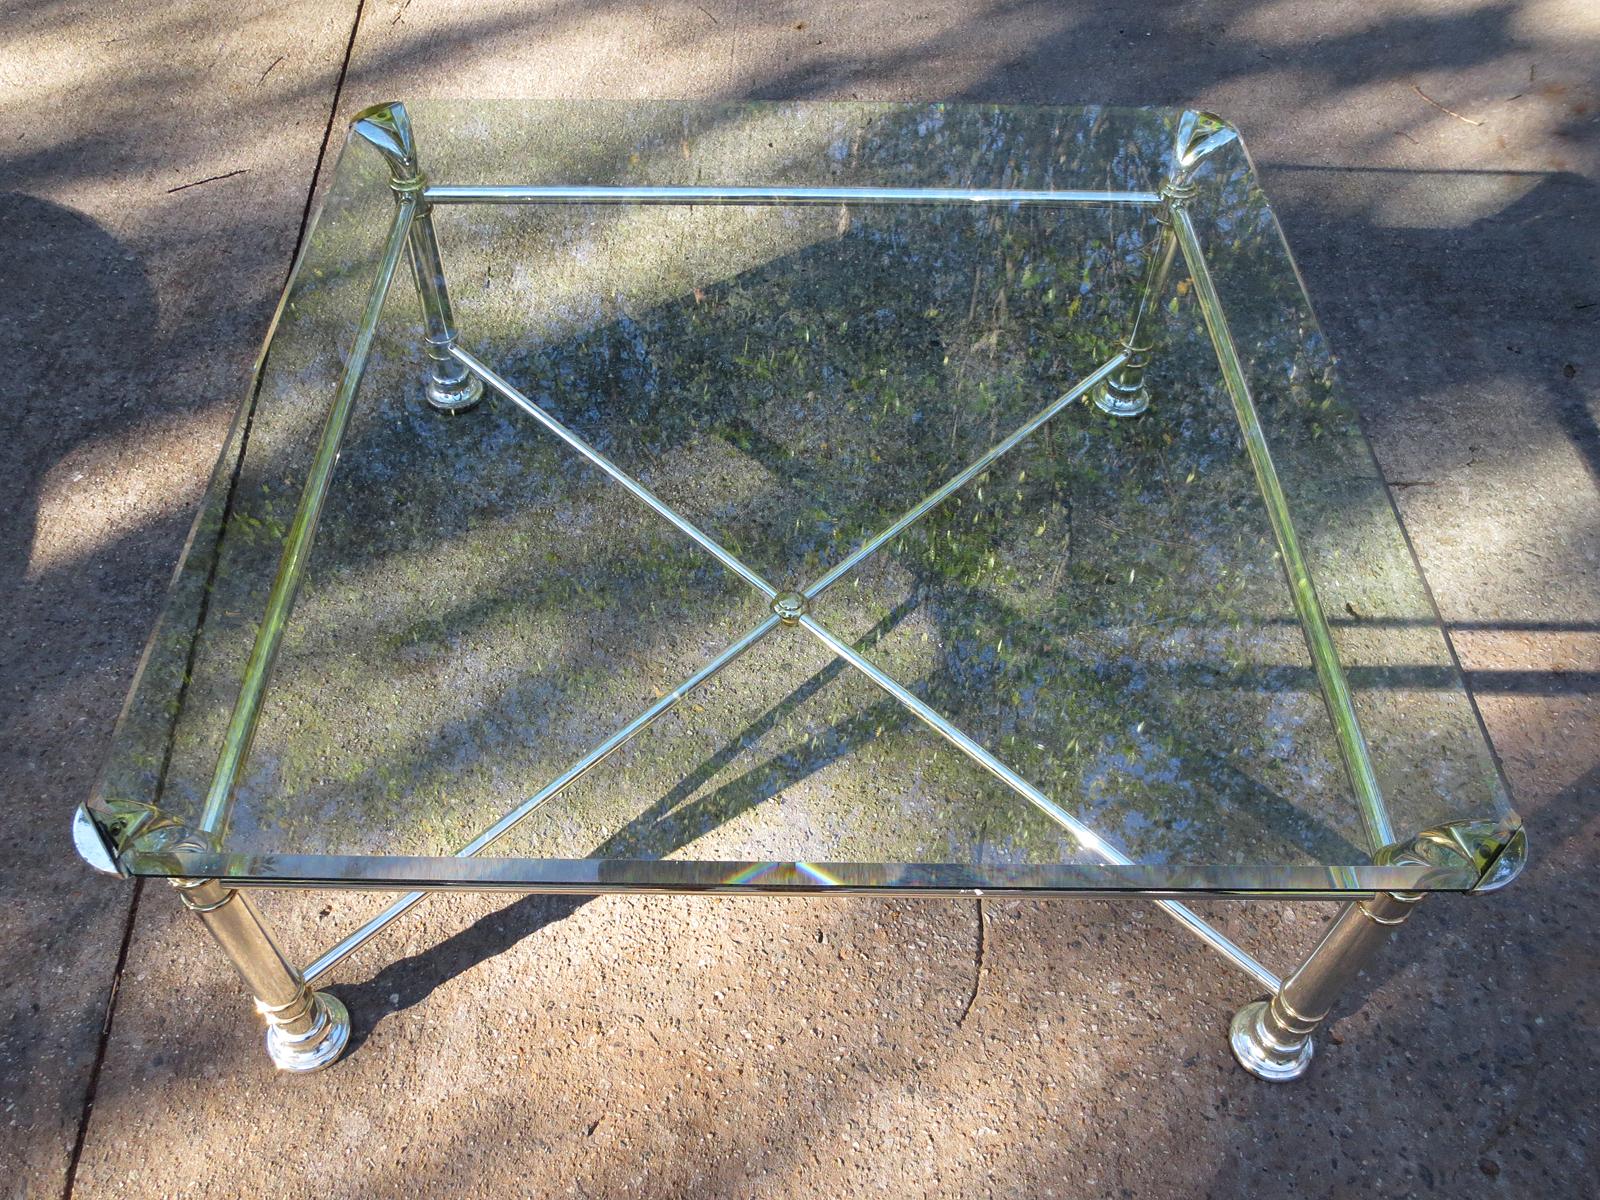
(387, 128)
(306, 1030)
(1271, 1038)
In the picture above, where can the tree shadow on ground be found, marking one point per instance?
(1347, 253)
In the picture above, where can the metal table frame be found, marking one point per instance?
(1271, 1037)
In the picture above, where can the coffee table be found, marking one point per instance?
(899, 499)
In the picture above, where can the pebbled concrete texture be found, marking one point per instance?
(697, 1047)
(134, 299)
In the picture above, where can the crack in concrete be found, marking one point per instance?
(87, 1113)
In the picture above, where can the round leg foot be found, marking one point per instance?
(318, 1047)
(1112, 398)
(454, 397)
(1259, 1053)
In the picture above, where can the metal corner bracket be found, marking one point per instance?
(91, 843)
(1493, 852)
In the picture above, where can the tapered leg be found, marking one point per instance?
(1123, 395)
(306, 1030)
(386, 127)
(451, 387)
(1198, 136)
(1271, 1038)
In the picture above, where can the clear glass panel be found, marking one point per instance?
(168, 737)
(1428, 747)
(1103, 608)
(790, 755)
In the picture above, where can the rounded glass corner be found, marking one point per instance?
(686, 343)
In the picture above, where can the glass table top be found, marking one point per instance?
(788, 548)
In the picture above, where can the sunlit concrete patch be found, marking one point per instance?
(667, 1094)
(90, 498)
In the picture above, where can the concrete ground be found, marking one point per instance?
(1435, 164)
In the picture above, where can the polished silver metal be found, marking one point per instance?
(1271, 1037)
(1313, 621)
(789, 607)
(387, 128)
(1506, 865)
(1494, 853)
(679, 522)
(306, 1030)
(1198, 135)
(1124, 394)
(91, 844)
(784, 196)
(1086, 837)
(399, 873)
(302, 531)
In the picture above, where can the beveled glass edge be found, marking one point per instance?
(386, 872)
(119, 822)
(1510, 816)
(445, 192)
(405, 873)
(301, 534)
(118, 828)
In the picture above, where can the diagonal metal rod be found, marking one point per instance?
(338, 953)
(343, 949)
(685, 526)
(599, 754)
(1319, 639)
(872, 545)
(608, 194)
(1086, 837)
(302, 531)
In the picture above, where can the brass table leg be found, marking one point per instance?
(451, 387)
(1271, 1038)
(306, 1030)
